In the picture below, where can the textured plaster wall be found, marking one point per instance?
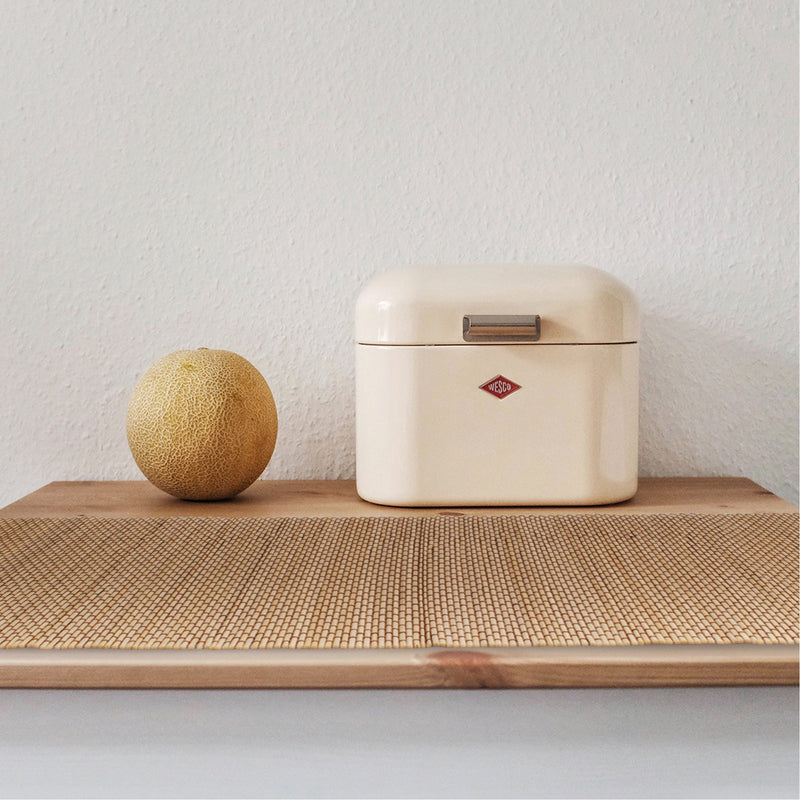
(229, 174)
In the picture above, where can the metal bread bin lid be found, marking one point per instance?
(536, 304)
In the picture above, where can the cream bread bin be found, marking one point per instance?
(496, 386)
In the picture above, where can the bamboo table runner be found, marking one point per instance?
(524, 597)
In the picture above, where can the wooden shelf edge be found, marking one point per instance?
(328, 498)
(488, 668)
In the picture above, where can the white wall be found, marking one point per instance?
(229, 174)
(549, 743)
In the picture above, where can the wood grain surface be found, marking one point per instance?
(487, 668)
(339, 499)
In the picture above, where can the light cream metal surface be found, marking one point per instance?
(441, 421)
(426, 305)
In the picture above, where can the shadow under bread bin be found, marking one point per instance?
(496, 386)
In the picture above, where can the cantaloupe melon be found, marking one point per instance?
(202, 424)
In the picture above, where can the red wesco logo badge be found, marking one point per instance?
(500, 386)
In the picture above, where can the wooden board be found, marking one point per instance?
(494, 668)
(339, 499)
(642, 665)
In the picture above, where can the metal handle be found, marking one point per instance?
(502, 327)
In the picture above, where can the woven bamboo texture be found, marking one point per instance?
(401, 582)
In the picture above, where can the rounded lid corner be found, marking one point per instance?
(427, 305)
